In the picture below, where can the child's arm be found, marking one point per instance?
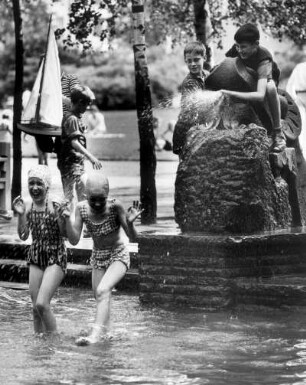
(127, 219)
(73, 226)
(255, 96)
(71, 129)
(97, 165)
(62, 226)
(22, 223)
(60, 219)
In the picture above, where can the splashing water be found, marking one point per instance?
(204, 107)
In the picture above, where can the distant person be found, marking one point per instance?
(259, 59)
(163, 141)
(110, 259)
(296, 88)
(5, 128)
(47, 254)
(73, 145)
(94, 120)
(195, 56)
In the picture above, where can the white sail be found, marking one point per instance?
(44, 112)
(29, 113)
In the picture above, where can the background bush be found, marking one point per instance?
(112, 78)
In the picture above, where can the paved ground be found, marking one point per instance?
(124, 184)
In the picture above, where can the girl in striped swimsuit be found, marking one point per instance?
(110, 258)
(47, 255)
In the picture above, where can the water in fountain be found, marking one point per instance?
(150, 345)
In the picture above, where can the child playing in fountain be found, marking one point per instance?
(73, 149)
(104, 218)
(195, 56)
(47, 255)
(259, 59)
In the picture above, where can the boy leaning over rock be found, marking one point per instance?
(259, 59)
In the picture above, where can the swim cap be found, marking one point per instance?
(41, 172)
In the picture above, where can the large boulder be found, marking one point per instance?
(225, 183)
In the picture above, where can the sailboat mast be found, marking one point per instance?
(42, 75)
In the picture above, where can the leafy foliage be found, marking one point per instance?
(175, 19)
(280, 17)
(106, 19)
(111, 76)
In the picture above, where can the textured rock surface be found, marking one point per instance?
(224, 182)
(218, 271)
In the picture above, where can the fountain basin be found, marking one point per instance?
(223, 271)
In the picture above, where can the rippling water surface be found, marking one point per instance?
(150, 345)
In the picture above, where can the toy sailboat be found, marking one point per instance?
(43, 113)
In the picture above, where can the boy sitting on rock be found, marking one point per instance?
(259, 59)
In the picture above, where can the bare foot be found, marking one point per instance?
(84, 341)
(94, 336)
(97, 334)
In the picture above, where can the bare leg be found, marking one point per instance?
(42, 156)
(68, 187)
(80, 188)
(103, 292)
(274, 104)
(279, 140)
(96, 278)
(35, 279)
(45, 158)
(52, 278)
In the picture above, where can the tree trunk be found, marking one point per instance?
(17, 154)
(203, 26)
(145, 117)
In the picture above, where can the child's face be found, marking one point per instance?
(246, 49)
(195, 63)
(37, 189)
(97, 195)
(97, 201)
(82, 106)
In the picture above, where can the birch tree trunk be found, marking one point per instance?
(145, 117)
(203, 26)
(17, 109)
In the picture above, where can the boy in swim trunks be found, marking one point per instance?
(104, 218)
(71, 158)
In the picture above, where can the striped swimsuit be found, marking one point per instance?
(68, 83)
(48, 246)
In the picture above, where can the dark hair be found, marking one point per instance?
(247, 32)
(195, 47)
(82, 93)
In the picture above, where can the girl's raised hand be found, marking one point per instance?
(19, 205)
(134, 211)
(63, 209)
